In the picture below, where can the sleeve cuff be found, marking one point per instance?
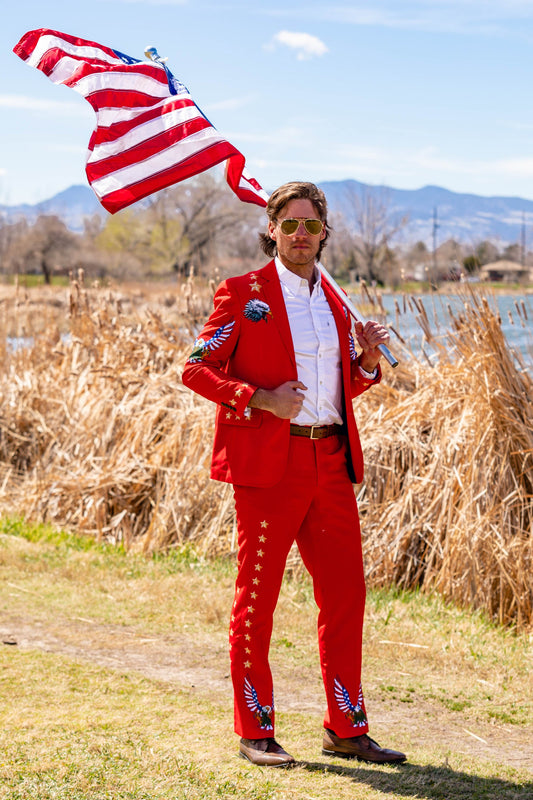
(369, 375)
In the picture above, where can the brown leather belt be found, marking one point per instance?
(316, 431)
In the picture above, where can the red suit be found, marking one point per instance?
(286, 488)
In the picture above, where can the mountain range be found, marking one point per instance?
(467, 218)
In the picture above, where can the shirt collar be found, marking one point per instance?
(293, 281)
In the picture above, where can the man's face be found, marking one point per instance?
(298, 250)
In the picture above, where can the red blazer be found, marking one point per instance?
(246, 344)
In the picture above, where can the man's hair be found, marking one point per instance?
(295, 190)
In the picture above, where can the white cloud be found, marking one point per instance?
(305, 44)
(23, 103)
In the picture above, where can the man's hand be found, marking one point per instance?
(285, 401)
(370, 337)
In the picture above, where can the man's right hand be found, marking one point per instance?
(285, 401)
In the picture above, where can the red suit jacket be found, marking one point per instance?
(246, 344)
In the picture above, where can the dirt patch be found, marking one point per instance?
(201, 663)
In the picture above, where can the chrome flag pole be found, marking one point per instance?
(343, 297)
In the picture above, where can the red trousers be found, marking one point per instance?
(314, 504)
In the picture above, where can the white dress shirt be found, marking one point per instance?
(316, 346)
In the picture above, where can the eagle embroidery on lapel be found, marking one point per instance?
(256, 310)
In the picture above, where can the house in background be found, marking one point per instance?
(505, 272)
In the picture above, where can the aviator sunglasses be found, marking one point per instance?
(312, 226)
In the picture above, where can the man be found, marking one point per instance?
(278, 357)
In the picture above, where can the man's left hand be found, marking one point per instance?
(370, 336)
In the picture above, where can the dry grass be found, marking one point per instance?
(99, 435)
(448, 497)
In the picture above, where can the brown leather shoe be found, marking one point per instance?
(361, 747)
(264, 753)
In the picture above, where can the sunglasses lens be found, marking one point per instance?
(290, 226)
(313, 226)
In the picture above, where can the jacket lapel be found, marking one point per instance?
(271, 286)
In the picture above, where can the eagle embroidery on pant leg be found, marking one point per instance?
(355, 714)
(263, 714)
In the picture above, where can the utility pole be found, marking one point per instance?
(435, 228)
(523, 242)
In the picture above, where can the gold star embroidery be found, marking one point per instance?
(264, 524)
(228, 415)
(256, 581)
(233, 402)
(255, 287)
(248, 623)
(247, 650)
(253, 595)
(251, 609)
(238, 392)
(262, 539)
(247, 664)
(237, 416)
(258, 567)
(231, 631)
(260, 553)
(247, 637)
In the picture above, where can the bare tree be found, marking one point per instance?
(10, 233)
(47, 245)
(375, 225)
(339, 255)
(189, 223)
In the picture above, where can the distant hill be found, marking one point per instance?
(72, 205)
(467, 218)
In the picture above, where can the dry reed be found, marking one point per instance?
(99, 435)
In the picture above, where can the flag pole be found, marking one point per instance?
(343, 297)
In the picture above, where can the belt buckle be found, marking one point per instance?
(311, 434)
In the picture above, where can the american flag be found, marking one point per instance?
(149, 132)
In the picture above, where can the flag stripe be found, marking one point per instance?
(149, 133)
(36, 44)
(146, 79)
(100, 164)
(198, 162)
(109, 131)
(124, 135)
(133, 170)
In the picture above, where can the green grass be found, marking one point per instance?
(72, 726)
(29, 281)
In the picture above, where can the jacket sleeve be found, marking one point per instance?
(205, 370)
(359, 383)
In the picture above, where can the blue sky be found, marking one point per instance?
(384, 91)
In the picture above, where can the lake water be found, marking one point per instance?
(516, 313)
